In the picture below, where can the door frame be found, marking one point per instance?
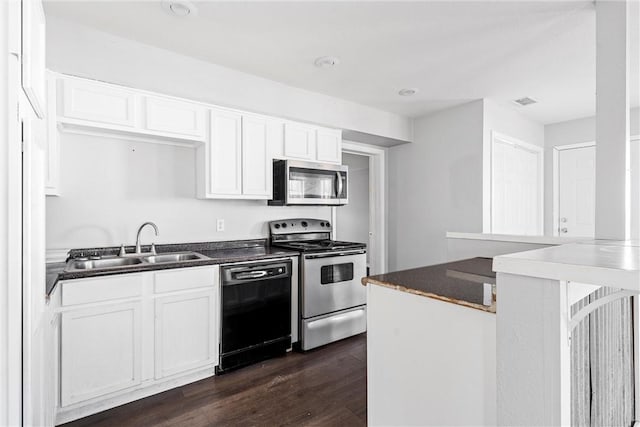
(377, 201)
(556, 180)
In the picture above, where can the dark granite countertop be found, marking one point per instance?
(217, 253)
(470, 282)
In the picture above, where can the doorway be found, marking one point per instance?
(352, 220)
(364, 218)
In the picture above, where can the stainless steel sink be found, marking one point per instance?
(174, 257)
(129, 260)
(103, 263)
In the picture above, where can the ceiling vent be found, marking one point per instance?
(327, 61)
(179, 8)
(408, 91)
(523, 102)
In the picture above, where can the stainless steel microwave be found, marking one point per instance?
(306, 183)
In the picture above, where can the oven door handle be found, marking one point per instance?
(338, 185)
(335, 254)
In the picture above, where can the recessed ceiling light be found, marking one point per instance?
(408, 92)
(180, 8)
(327, 61)
(523, 102)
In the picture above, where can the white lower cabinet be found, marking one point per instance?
(185, 333)
(124, 337)
(100, 351)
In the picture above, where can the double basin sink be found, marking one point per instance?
(131, 260)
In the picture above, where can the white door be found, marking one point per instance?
(577, 190)
(99, 351)
(186, 332)
(225, 153)
(516, 183)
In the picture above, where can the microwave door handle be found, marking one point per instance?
(338, 185)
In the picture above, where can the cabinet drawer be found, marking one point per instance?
(187, 278)
(176, 117)
(98, 102)
(83, 291)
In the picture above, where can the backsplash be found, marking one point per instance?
(109, 187)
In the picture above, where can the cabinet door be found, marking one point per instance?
(225, 153)
(256, 158)
(299, 141)
(329, 146)
(100, 351)
(176, 117)
(186, 333)
(98, 102)
(33, 55)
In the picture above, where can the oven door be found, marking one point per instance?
(331, 282)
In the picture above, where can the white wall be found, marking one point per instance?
(352, 220)
(571, 132)
(79, 50)
(110, 186)
(435, 186)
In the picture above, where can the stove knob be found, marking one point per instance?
(304, 223)
(327, 225)
(277, 226)
(284, 225)
(322, 224)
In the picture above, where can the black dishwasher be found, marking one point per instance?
(256, 313)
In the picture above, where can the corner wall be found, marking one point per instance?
(435, 186)
(437, 183)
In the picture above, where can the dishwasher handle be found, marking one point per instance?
(252, 275)
(238, 274)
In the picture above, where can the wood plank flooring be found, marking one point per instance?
(326, 387)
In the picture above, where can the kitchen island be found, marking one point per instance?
(431, 345)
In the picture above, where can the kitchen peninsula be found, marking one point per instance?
(431, 342)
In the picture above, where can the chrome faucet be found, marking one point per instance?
(153, 247)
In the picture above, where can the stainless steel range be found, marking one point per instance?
(332, 299)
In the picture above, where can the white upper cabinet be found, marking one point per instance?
(176, 117)
(299, 141)
(236, 163)
(256, 158)
(329, 145)
(225, 153)
(115, 109)
(312, 143)
(101, 103)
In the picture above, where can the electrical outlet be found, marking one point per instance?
(220, 225)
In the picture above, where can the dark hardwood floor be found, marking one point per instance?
(326, 387)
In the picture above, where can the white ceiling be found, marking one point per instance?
(452, 51)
